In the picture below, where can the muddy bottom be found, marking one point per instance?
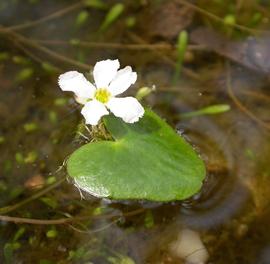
(226, 222)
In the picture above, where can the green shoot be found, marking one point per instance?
(112, 16)
(209, 110)
(144, 92)
(182, 42)
(97, 4)
(24, 74)
(82, 18)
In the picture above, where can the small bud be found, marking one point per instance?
(143, 92)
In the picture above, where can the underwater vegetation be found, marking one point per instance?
(176, 173)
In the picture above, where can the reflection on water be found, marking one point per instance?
(228, 218)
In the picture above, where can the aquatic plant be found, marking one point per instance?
(144, 159)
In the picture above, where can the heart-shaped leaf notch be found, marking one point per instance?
(146, 160)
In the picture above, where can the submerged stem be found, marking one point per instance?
(31, 43)
(240, 105)
(21, 220)
(220, 20)
(47, 18)
(11, 208)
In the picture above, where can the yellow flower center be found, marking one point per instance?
(102, 95)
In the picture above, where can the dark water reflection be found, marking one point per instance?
(230, 214)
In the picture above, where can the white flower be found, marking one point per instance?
(109, 82)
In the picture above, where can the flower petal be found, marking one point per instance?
(93, 111)
(104, 71)
(75, 82)
(123, 79)
(128, 108)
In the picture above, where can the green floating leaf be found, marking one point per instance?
(209, 110)
(112, 15)
(147, 160)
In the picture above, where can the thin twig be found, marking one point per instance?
(29, 42)
(239, 104)
(11, 208)
(21, 220)
(96, 230)
(185, 71)
(54, 15)
(106, 45)
(257, 95)
(28, 52)
(112, 45)
(33, 56)
(220, 20)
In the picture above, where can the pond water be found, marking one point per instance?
(226, 222)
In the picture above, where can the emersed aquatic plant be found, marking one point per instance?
(144, 160)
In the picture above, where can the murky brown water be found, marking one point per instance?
(228, 218)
